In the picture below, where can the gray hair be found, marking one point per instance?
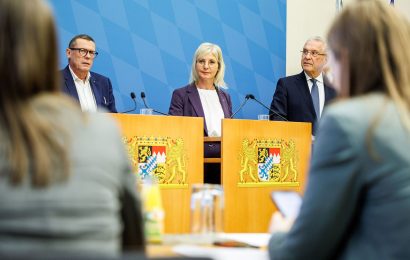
(318, 39)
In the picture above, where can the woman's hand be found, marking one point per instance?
(279, 223)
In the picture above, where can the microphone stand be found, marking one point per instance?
(146, 106)
(135, 104)
(270, 110)
(240, 107)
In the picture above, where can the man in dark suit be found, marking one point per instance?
(92, 90)
(302, 97)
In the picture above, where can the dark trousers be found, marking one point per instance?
(212, 173)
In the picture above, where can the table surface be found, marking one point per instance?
(252, 246)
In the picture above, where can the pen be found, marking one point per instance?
(232, 243)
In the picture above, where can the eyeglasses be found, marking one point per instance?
(211, 63)
(313, 53)
(83, 52)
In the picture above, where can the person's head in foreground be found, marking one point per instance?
(60, 192)
(357, 200)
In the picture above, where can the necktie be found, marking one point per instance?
(315, 98)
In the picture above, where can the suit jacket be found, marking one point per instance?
(293, 101)
(357, 200)
(185, 101)
(100, 85)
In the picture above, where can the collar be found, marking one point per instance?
(319, 78)
(77, 78)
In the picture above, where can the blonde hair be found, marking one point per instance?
(376, 40)
(205, 49)
(29, 79)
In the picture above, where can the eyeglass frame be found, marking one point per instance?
(93, 54)
(203, 62)
(313, 53)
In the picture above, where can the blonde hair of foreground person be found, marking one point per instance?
(357, 199)
(65, 194)
(29, 87)
(377, 60)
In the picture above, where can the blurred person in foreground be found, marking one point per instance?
(357, 200)
(59, 193)
(93, 91)
(204, 97)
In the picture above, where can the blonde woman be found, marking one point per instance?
(204, 97)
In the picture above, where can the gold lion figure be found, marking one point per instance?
(143, 153)
(249, 158)
(176, 160)
(288, 160)
(160, 173)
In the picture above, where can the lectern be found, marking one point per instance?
(171, 149)
(257, 158)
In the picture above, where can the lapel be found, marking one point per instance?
(304, 89)
(224, 102)
(97, 95)
(69, 83)
(195, 100)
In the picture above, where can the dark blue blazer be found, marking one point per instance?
(293, 101)
(185, 101)
(100, 85)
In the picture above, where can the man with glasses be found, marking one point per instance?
(92, 90)
(302, 97)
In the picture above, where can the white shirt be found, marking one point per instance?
(321, 88)
(213, 111)
(85, 93)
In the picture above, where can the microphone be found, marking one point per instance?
(247, 97)
(133, 96)
(146, 106)
(273, 112)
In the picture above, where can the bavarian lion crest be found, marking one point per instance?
(266, 161)
(162, 157)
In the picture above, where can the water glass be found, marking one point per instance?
(146, 111)
(207, 210)
(263, 117)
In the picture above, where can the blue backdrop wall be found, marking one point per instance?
(147, 45)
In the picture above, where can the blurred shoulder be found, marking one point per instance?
(66, 113)
(357, 111)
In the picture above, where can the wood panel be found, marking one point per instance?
(248, 207)
(176, 200)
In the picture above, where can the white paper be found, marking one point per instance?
(288, 203)
(222, 253)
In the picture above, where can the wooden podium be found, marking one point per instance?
(171, 148)
(259, 157)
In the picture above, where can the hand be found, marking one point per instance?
(279, 223)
